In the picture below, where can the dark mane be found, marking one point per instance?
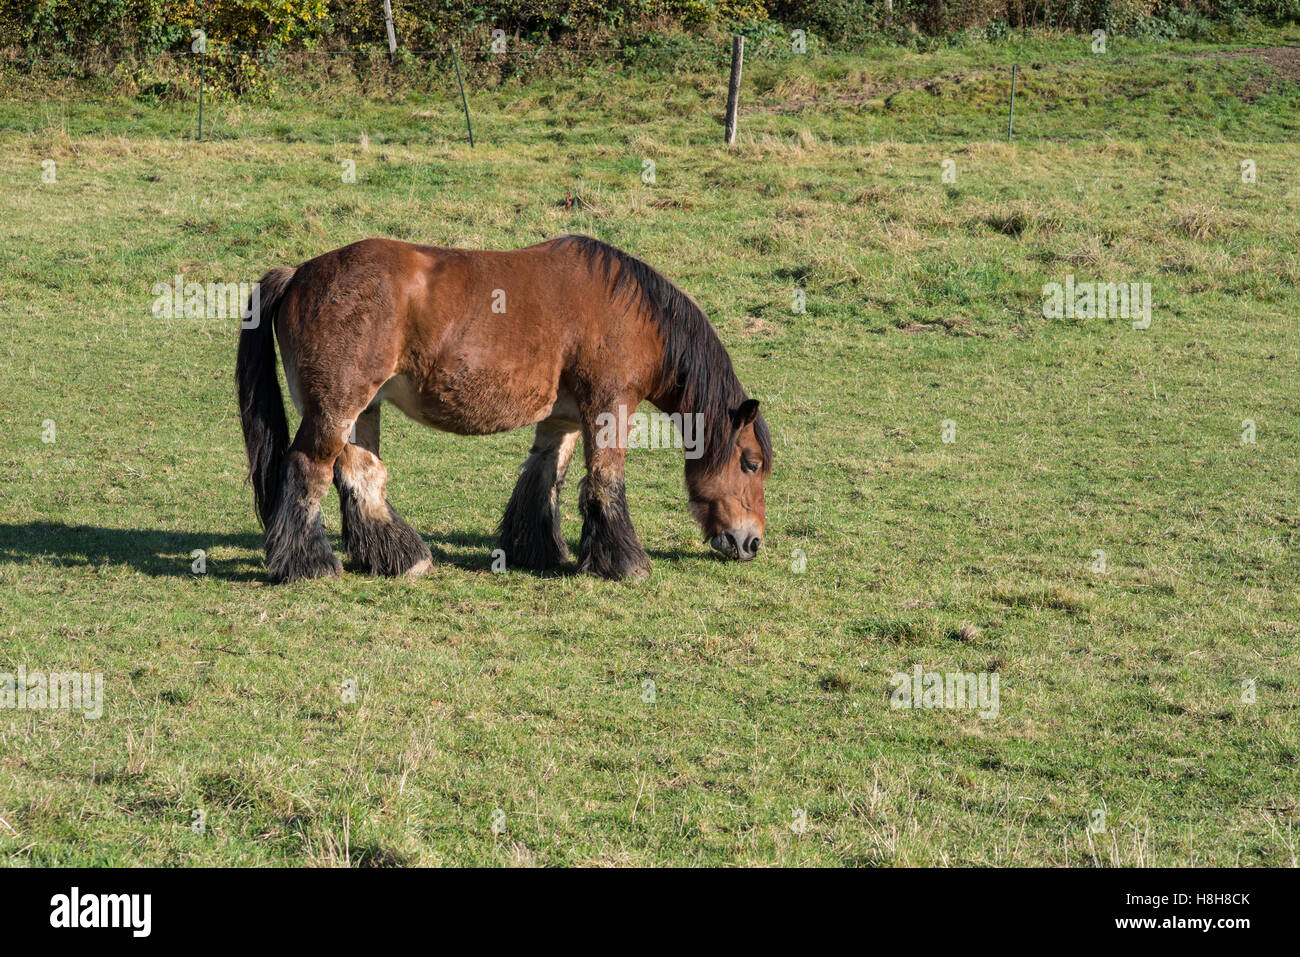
(697, 370)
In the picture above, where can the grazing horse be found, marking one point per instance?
(569, 336)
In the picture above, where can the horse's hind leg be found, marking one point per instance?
(296, 544)
(376, 537)
(530, 529)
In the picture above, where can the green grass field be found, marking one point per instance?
(1148, 702)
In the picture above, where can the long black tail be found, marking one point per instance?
(261, 407)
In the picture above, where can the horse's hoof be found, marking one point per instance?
(316, 566)
(422, 567)
(617, 569)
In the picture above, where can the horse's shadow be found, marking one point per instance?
(167, 553)
(480, 557)
(164, 553)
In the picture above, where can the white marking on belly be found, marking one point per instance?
(402, 392)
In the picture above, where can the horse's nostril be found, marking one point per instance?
(731, 539)
(754, 543)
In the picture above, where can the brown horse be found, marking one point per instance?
(570, 335)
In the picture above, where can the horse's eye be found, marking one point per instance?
(747, 466)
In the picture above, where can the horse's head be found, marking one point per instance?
(727, 498)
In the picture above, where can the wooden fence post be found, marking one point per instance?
(455, 58)
(203, 62)
(1011, 117)
(733, 91)
(392, 36)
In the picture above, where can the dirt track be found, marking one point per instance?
(1286, 60)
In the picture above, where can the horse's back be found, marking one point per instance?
(471, 341)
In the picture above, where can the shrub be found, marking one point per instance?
(149, 26)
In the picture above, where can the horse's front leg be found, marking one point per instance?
(530, 530)
(608, 546)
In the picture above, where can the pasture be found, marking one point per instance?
(1104, 517)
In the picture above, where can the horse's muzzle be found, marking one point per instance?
(740, 543)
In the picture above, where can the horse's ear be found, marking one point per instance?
(746, 414)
